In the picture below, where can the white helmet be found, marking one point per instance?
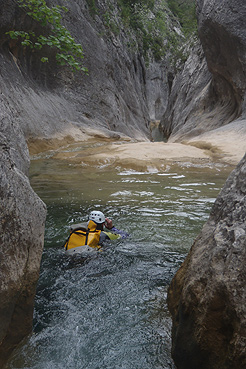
(97, 216)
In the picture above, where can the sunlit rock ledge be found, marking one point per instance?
(226, 144)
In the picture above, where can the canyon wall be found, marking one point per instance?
(116, 96)
(209, 92)
(207, 295)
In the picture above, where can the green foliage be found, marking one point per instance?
(153, 26)
(185, 11)
(154, 23)
(68, 52)
(148, 20)
(110, 23)
(132, 3)
(92, 7)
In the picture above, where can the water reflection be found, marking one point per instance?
(109, 311)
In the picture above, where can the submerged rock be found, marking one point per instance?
(207, 295)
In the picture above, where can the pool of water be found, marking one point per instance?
(109, 311)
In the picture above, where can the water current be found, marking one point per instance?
(109, 311)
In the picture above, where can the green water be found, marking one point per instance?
(110, 311)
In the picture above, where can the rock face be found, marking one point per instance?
(207, 295)
(206, 99)
(188, 99)
(22, 217)
(116, 96)
(223, 35)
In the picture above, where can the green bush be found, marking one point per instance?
(185, 11)
(153, 24)
(68, 52)
(92, 7)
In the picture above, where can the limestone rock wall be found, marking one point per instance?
(189, 98)
(222, 32)
(207, 295)
(116, 96)
(214, 95)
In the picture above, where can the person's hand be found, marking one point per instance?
(108, 223)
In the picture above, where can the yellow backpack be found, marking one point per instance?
(82, 236)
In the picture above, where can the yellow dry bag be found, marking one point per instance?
(84, 237)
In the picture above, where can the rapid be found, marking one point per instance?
(109, 311)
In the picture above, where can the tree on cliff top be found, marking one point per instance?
(55, 35)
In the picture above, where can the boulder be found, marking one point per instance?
(207, 295)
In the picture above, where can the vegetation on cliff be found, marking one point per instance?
(185, 12)
(159, 27)
(155, 28)
(52, 34)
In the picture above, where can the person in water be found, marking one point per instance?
(93, 234)
(102, 223)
